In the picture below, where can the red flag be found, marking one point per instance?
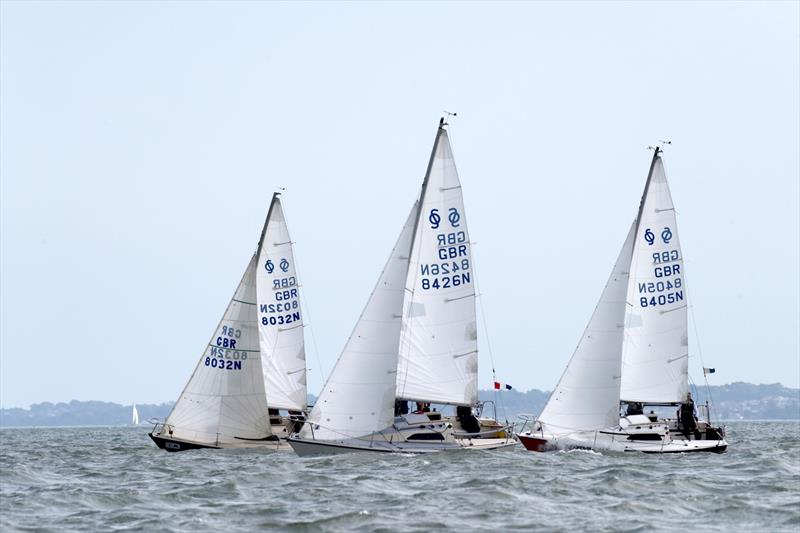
(496, 385)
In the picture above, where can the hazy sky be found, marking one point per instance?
(141, 143)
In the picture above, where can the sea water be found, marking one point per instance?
(114, 478)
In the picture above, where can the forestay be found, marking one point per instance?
(656, 348)
(358, 398)
(224, 399)
(438, 345)
(587, 396)
(280, 320)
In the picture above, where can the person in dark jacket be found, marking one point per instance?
(687, 416)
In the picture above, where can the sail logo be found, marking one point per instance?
(666, 235)
(284, 265)
(649, 236)
(434, 218)
(454, 217)
(270, 266)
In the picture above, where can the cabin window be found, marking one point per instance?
(426, 436)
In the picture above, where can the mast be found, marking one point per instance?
(275, 197)
(424, 189)
(437, 352)
(280, 322)
(656, 152)
(655, 351)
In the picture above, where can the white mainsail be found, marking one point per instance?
(438, 345)
(280, 321)
(656, 349)
(224, 400)
(358, 398)
(135, 416)
(587, 396)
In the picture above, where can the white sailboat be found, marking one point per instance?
(416, 339)
(634, 349)
(254, 364)
(135, 416)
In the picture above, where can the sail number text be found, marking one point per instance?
(668, 287)
(453, 270)
(224, 353)
(286, 306)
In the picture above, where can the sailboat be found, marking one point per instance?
(253, 368)
(634, 349)
(135, 416)
(416, 340)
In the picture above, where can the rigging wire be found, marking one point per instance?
(306, 307)
(498, 398)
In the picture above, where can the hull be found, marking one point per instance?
(277, 442)
(532, 444)
(171, 444)
(308, 448)
(175, 445)
(615, 441)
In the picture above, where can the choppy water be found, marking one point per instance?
(115, 478)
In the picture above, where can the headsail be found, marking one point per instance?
(224, 400)
(280, 321)
(358, 398)
(587, 396)
(438, 345)
(656, 348)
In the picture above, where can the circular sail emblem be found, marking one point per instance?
(434, 219)
(284, 265)
(269, 266)
(649, 237)
(666, 235)
(454, 217)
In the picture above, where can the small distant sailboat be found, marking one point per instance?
(416, 340)
(135, 416)
(254, 365)
(634, 350)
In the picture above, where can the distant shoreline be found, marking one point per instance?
(733, 402)
(147, 427)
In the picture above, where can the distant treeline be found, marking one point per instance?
(736, 401)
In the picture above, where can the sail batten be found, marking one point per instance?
(657, 321)
(587, 396)
(224, 398)
(359, 395)
(280, 316)
(439, 310)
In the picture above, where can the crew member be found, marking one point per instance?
(687, 416)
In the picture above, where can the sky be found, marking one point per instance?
(140, 144)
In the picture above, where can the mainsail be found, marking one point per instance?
(358, 398)
(135, 416)
(224, 399)
(656, 348)
(587, 396)
(280, 320)
(438, 345)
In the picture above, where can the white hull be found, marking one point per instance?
(305, 447)
(617, 440)
(414, 433)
